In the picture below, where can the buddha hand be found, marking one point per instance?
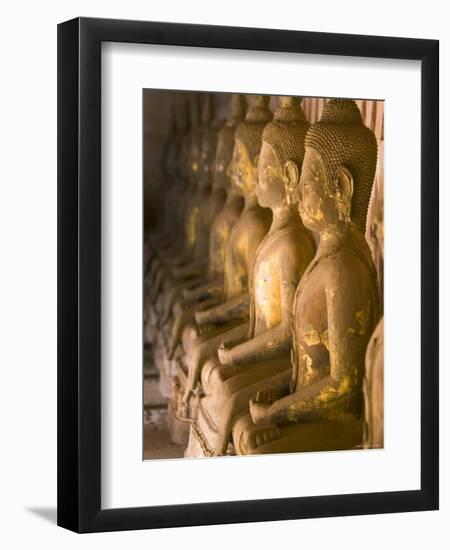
(260, 405)
(260, 412)
(201, 317)
(224, 354)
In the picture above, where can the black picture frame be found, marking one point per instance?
(79, 274)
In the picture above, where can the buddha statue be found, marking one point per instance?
(206, 293)
(375, 219)
(162, 231)
(165, 233)
(184, 250)
(209, 291)
(160, 224)
(185, 268)
(184, 212)
(228, 320)
(336, 303)
(177, 170)
(209, 201)
(280, 261)
(178, 129)
(207, 258)
(373, 385)
(374, 390)
(186, 259)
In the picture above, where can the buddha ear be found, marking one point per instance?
(292, 174)
(343, 183)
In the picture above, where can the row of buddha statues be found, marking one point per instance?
(262, 304)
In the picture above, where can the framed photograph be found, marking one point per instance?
(247, 274)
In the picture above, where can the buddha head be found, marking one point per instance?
(170, 149)
(338, 169)
(182, 128)
(247, 145)
(282, 152)
(208, 141)
(193, 148)
(225, 141)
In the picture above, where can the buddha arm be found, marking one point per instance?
(268, 345)
(236, 308)
(340, 390)
(174, 297)
(207, 290)
(276, 341)
(303, 405)
(197, 267)
(192, 283)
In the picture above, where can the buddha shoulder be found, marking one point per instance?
(347, 269)
(297, 240)
(257, 220)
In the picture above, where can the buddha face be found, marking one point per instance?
(270, 190)
(244, 173)
(319, 207)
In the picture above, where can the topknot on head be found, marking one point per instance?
(289, 110)
(343, 111)
(286, 133)
(249, 132)
(258, 109)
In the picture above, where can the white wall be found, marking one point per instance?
(28, 274)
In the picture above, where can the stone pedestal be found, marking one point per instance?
(179, 426)
(202, 437)
(196, 446)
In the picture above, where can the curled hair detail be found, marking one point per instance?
(341, 139)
